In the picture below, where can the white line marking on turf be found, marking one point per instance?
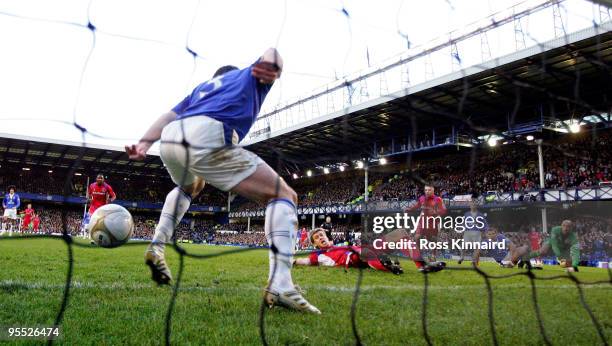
(7, 284)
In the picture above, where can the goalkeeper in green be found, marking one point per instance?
(564, 244)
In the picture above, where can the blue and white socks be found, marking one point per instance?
(280, 227)
(176, 205)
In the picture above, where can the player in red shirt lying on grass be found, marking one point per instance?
(343, 256)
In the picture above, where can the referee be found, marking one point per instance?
(328, 227)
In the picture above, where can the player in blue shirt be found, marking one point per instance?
(473, 231)
(199, 140)
(506, 257)
(10, 204)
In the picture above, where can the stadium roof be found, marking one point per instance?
(571, 80)
(22, 151)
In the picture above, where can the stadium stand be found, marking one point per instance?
(128, 187)
(37, 167)
(571, 161)
(577, 160)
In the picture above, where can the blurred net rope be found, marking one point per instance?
(352, 90)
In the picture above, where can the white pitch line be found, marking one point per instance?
(78, 285)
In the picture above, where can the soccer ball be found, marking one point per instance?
(110, 226)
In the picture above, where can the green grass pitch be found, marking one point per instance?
(114, 302)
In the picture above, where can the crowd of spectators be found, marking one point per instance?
(339, 188)
(143, 227)
(595, 236)
(206, 231)
(330, 189)
(586, 162)
(245, 239)
(130, 188)
(582, 160)
(51, 221)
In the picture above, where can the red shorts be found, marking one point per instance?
(26, 221)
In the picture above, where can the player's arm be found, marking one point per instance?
(311, 260)
(441, 207)
(554, 244)
(17, 202)
(575, 250)
(153, 134)
(269, 67)
(4, 202)
(111, 194)
(305, 261)
(511, 247)
(415, 206)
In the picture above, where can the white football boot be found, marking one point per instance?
(291, 300)
(156, 260)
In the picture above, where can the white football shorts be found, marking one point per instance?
(10, 213)
(213, 154)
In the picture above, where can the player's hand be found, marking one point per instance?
(137, 151)
(266, 72)
(570, 269)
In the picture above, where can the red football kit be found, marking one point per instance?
(303, 239)
(430, 206)
(27, 218)
(534, 239)
(35, 223)
(99, 195)
(343, 256)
